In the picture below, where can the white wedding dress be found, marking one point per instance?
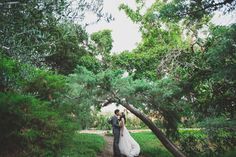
(128, 146)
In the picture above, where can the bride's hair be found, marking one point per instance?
(123, 116)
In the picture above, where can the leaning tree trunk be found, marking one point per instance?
(159, 134)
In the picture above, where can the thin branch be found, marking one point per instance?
(72, 98)
(9, 3)
(208, 7)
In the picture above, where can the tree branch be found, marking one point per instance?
(159, 134)
(9, 3)
(108, 102)
(209, 6)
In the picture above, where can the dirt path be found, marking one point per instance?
(108, 150)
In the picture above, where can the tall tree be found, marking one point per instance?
(110, 86)
(44, 32)
(102, 45)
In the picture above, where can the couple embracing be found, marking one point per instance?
(124, 144)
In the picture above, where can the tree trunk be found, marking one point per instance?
(159, 134)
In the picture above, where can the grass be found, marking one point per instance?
(150, 145)
(85, 145)
(89, 145)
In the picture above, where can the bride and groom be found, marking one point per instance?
(123, 144)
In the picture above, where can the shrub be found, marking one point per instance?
(30, 126)
(207, 142)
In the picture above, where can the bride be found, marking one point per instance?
(127, 145)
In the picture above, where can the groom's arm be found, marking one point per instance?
(114, 122)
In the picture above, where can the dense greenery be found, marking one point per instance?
(101, 122)
(40, 44)
(85, 145)
(54, 76)
(190, 140)
(149, 145)
(197, 73)
(33, 120)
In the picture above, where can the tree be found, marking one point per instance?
(110, 87)
(38, 40)
(188, 63)
(41, 33)
(102, 46)
(195, 10)
(69, 46)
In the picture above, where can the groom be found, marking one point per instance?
(116, 133)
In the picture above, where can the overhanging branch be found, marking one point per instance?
(108, 102)
(159, 134)
(214, 6)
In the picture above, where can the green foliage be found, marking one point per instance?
(158, 39)
(101, 46)
(103, 41)
(39, 39)
(207, 142)
(194, 142)
(45, 85)
(36, 118)
(28, 36)
(85, 145)
(211, 81)
(30, 126)
(150, 146)
(135, 123)
(144, 94)
(230, 154)
(68, 47)
(43, 32)
(195, 10)
(192, 79)
(135, 16)
(170, 78)
(101, 122)
(139, 64)
(11, 75)
(90, 62)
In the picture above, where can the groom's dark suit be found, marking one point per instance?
(116, 134)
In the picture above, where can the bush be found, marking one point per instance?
(30, 126)
(33, 119)
(101, 122)
(207, 142)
